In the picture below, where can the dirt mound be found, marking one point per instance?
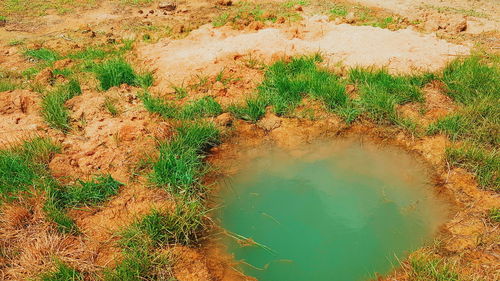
(19, 116)
(106, 144)
(205, 49)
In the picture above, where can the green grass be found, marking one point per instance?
(158, 106)
(471, 79)
(485, 164)
(110, 106)
(114, 73)
(423, 268)
(380, 92)
(180, 164)
(204, 107)
(287, 84)
(495, 214)
(473, 83)
(53, 110)
(62, 272)
(85, 193)
(253, 110)
(24, 166)
(339, 11)
(90, 53)
(43, 54)
(181, 226)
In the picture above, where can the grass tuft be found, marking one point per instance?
(179, 165)
(253, 110)
(471, 79)
(204, 107)
(43, 54)
(115, 72)
(182, 226)
(158, 105)
(24, 166)
(62, 272)
(381, 92)
(485, 164)
(424, 268)
(53, 109)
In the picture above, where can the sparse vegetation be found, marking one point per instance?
(110, 106)
(24, 167)
(43, 54)
(160, 228)
(114, 73)
(425, 268)
(62, 272)
(179, 166)
(495, 214)
(473, 83)
(53, 109)
(204, 107)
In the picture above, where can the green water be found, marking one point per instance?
(343, 211)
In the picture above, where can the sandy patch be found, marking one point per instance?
(205, 49)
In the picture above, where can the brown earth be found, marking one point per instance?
(101, 143)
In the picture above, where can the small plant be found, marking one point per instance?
(179, 165)
(90, 53)
(109, 104)
(483, 163)
(470, 79)
(182, 226)
(181, 92)
(114, 73)
(62, 272)
(204, 107)
(43, 54)
(339, 11)
(145, 80)
(158, 105)
(24, 166)
(254, 109)
(86, 193)
(53, 109)
(220, 20)
(424, 268)
(495, 214)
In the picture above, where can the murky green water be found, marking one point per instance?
(342, 212)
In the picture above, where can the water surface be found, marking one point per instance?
(345, 211)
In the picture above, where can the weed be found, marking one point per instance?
(339, 11)
(141, 264)
(179, 165)
(109, 105)
(495, 214)
(53, 109)
(90, 53)
(21, 167)
(158, 105)
(220, 20)
(86, 193)
(43, 54)
(145, 80)
(115, 72)
(182, 226)
(470, 79)
(64, 223)
(16, 42)
(423, 268)
(181, 92)
(62, 272)
(381, 92)
(483, 163)
(204, 107)
(253, 110)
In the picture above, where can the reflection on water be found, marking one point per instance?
(342, 211)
